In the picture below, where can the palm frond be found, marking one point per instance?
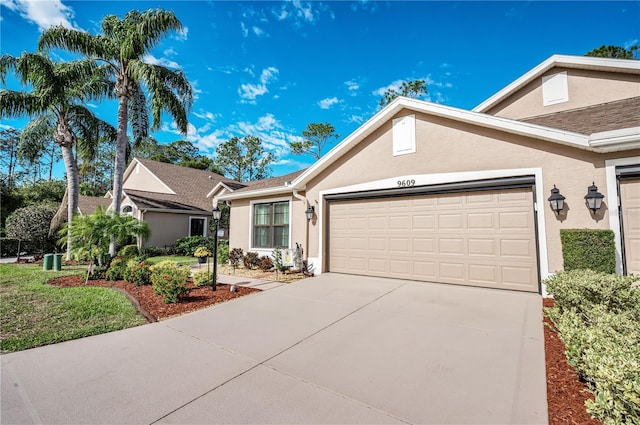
(138, 114)
(14, 104)
(78, 42)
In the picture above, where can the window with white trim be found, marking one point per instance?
(197, 226)
(271, 225)
(127, 210)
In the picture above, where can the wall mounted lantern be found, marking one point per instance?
(556, 200)
(309, 212)
(594, 198)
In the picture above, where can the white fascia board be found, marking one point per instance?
(278, 190)
(564, 61)
(616, 140)
(216, 187)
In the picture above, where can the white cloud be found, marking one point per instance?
(304, 11)
(259, 31)
(328, 102)
(245, 31)
(205, 115)
(352, 85)
(91, 105)
(183, 34)
(161, 61)
(355, 119)
(43, 13)
(170, 52)
(631, 43)
(249, 92)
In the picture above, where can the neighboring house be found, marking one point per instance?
(429, 192)
(87, 205)
(175, 201)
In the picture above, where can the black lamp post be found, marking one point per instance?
(216, 219)
(556, 200)
(594, 198)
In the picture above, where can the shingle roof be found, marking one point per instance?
(594, 119)
(190, 185)
(89, 204)
(271, 182)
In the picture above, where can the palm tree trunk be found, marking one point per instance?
(71, 168)
(121, 152)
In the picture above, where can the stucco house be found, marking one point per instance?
(429, 192)
(175, 201)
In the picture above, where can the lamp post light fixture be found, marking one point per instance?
(556, 200)
(594, 198)
(216, 219)
(309, 212)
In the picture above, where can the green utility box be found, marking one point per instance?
(47, 262)
(57, 262)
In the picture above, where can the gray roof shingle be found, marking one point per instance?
(594, 119)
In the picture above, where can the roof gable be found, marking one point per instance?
(169, 186)
(565, 62)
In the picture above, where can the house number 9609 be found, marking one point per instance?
(406, 183)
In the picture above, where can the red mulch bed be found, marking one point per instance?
(151, 305)
(566, 394)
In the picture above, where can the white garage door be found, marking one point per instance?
(484, 238)
(630, 204)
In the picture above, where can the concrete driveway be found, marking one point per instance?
(332, 349)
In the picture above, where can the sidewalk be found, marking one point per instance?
(249, 282)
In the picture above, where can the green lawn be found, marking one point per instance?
(34, 314)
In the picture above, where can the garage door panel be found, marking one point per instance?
(630, 205)
(481, 238)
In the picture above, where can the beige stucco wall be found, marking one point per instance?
(241, 220)
(167, 227)
(446, 146)
(142, 179)
(585, 87)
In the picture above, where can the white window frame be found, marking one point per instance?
(262, 250)
(130, 213)
(205, 225)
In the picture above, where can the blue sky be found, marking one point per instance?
(269, 68)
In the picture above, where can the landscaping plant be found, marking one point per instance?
(223, 252)
(169, 280)
(266, 264)
(138, 273)
(588, 249)
(597, 317)
(116, 269)
(202, 278)
(202, 252)
(235, 256)
(251, 260)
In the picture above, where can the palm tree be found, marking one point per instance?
(122, 46)
(56, 106)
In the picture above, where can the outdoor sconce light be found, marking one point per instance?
(594, 198)
(309, 212)
(556, 200)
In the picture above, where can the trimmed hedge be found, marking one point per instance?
(588, 249)
(597, 316)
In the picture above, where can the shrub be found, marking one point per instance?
(265, 263)
(129, 251)
(169, 280)
(597, 317)
(588, 249)
(116, 269)
(582, 289)
(235, 256)
(155, 251)
(251, 260)
(187, 246)
(277, 260)
(223, 252)
(31, 224)
(202, 278)
(137, 272)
